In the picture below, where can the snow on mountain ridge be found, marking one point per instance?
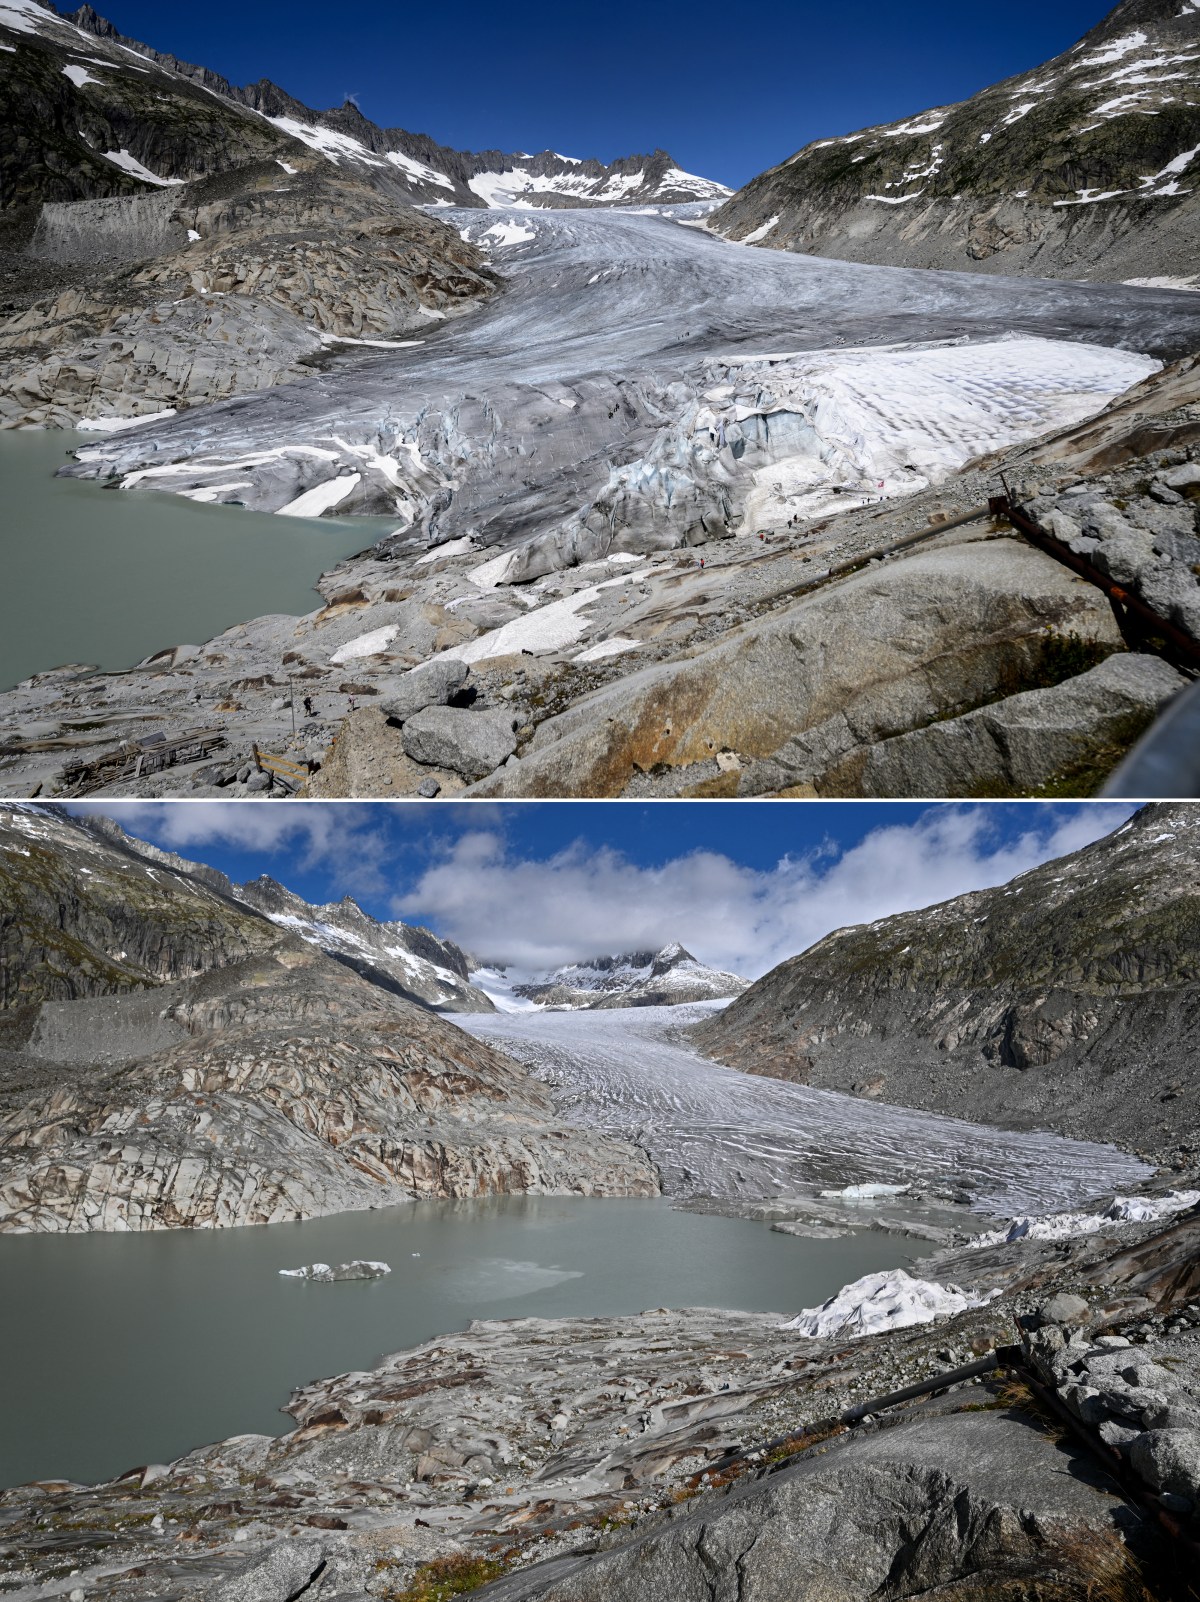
(667, 977)
(400, 956)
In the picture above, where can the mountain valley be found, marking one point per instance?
(180, 1056)
(630, 459)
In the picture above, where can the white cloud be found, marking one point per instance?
(582, 902)
(345, 838)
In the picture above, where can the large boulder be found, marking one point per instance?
(885, 651)
(432, 684)
(467, 742)
(980, 1498)
(1071, 732)
(1169, 1460)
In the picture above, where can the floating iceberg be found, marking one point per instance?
(868, 1192)
(324, 1274)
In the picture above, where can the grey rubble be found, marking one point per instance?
(1067, 171)
(1063, 1000)
(581, 1449)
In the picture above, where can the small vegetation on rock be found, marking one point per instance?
(447, 1577)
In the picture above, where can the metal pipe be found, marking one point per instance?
(1179, 646)
(852, 564)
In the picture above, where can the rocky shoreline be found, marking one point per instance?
(580, 1459)
(427, 678)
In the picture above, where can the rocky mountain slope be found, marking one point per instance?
(222, 1071)
(405, 958)
(81, 916)
(1085, 167)
(133, 305)
(402, 957)
(1068, 999)
(665, 978)
(168, 239)
(64, 126)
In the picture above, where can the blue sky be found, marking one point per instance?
(728, 89)
(741, 884)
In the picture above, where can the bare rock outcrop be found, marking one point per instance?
(1079, 167)
(298, 1089)
(1067, 999)
(170, 1057)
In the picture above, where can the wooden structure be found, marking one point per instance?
(292, 775)
(135, 759)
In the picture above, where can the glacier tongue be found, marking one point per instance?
(713, 1131)
(641, 385)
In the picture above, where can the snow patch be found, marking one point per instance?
(114, 425)
(876, 1302)
(79, 76)
(761, 232)
(130, 164)
(366, 644)
(611, 647)
(418, 170)
(335, 147)
(895, 200)
(509, 233)
(1115, 51)
(321, 498)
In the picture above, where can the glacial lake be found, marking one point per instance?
(129, 1349)
(104, 576)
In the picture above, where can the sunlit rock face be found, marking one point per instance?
(1066, 999)
(1084, 167)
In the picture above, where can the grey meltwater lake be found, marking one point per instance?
(99, 575)
(130, 1349)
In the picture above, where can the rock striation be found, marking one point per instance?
(1066, 999)
(1082, 167)
(218, 1070)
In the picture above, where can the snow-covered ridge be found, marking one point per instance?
(408, 165)
(668, 977)
(397, 954)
